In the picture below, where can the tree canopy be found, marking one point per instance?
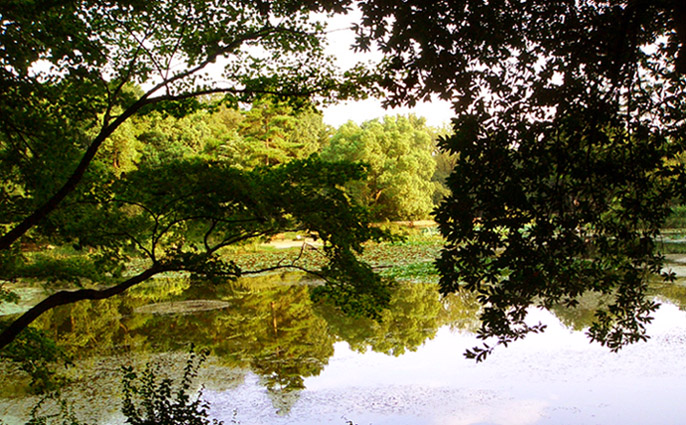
(79, 83)
(398, 152)
(568, 129)
(274, 133)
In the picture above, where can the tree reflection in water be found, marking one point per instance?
(267, 325)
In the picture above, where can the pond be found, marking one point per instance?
(277, 358)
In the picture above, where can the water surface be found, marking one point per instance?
(276, 358)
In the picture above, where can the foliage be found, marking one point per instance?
(529, 231)
(149, 400)
(35, 354)
(66, 269)
(445, 165)
(398, 152)
(269, 132)
(91, 156)
(568, 129)
(7, 295)
(165, 138)
(273, 132)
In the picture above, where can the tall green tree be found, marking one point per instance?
(66, 72)
(398, 154)
(164, 138)
(269, 132)
(568, 116)
(273, 132)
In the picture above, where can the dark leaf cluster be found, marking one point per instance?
(568, 141)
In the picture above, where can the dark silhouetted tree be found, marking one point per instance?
(570, 118)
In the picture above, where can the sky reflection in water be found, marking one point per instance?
(557, 377)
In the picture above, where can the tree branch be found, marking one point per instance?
(67, 297)
(40, 213)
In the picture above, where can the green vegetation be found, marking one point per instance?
(398, 152)
(149, 399)
(568, 140)
(122, 159)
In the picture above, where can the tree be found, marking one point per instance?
(164, 138)
(398, 152)
(67, 81)
(569, 122)
(269, 132)
(272, 132)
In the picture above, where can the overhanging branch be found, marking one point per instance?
(52, 203)
(67, 297)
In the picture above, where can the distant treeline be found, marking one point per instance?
(405, 169)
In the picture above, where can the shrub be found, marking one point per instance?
(150, 400)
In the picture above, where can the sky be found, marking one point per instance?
(437, 113)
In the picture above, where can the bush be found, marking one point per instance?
(149, 400)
